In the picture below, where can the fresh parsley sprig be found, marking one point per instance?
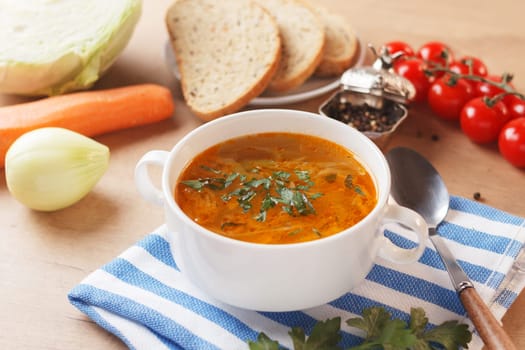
(382, 333)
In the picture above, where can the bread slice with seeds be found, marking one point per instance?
(303, 38)
(341, 46)
(227, 52)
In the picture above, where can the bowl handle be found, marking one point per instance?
(409, 218)
(142, 179)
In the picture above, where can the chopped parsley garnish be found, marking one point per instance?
(288, 190)
(349, 183)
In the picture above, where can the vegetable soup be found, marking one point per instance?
(276, 188)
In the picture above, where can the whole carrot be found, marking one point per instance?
(89, 113)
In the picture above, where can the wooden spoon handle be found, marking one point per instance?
(490, 330)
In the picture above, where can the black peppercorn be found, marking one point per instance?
(364, 117)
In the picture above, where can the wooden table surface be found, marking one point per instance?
(43, 255)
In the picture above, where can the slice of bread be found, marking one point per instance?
(227, 52)
(341, 47)
(303, 38)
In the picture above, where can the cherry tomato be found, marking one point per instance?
(413, 70)
(515, 105)
(482, 123)
(486, 89)
(399, 46)
(461, 66)
(437, 52)
(511, 142)
(458, 67)
(446, 100)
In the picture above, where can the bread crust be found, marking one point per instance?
(342, 47)
(291, 73)
(255, 81)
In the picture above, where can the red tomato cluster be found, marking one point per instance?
(463, 96)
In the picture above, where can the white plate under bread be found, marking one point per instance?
(313, 87)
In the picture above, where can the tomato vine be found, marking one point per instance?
(462, 90)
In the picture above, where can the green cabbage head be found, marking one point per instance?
(50, 47)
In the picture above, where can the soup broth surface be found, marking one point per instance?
(276, 188)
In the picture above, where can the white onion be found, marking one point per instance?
(52, 168)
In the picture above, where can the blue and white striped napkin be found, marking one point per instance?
(142, 298)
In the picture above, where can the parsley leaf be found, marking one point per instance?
(303, 175)
(325, 336)
(373, 320)
(263, 343)
(210, 169)
(418, 321)
(449, 334)
(393, 334)
(349, 183)
(195, 184)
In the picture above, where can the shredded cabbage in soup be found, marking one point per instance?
(276, 188)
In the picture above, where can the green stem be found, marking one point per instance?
(503, 85)
(500, 96)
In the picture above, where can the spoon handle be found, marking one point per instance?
(489, 329)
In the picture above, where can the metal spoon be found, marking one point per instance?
(417, 185)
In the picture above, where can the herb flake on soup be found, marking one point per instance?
(276, 188)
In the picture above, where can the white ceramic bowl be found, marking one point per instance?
(277, 277)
